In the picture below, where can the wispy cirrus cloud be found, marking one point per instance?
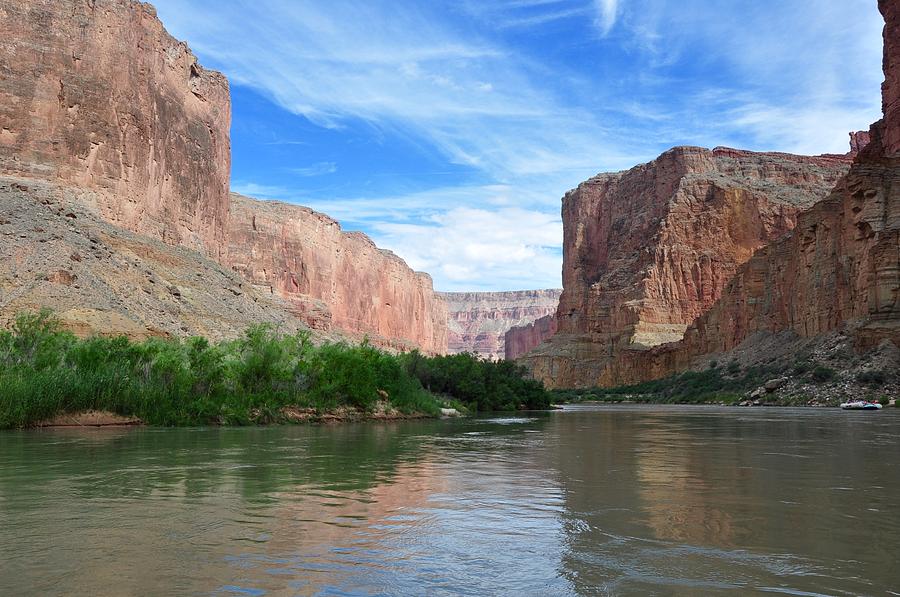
(525, 98)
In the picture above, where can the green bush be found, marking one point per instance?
(45, 371)
(822, 373)
(873, 378)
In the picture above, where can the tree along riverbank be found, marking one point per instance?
(264, 377)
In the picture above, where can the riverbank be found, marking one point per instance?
(263, 377)
(286, 415)
(804, 384)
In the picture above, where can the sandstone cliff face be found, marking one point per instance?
(97, 94)
(521, 340)
(333, 279)
(840, 268)
(890, 9)
(478, 321)
(99, 100)
(646, 251)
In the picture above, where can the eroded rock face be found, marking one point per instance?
(334, 279)
(646, 251)
(890, 9)
(837, 271)
(478, 321)
(97, 94)
(521, 340)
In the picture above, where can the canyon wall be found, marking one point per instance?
(521, 340)
(96, 93)
(334, 279)
(839, 268)
(836, 269)
(98, 101)
(890, 9)
(478, 321)
(646, 251)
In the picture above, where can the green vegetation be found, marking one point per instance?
(479, 384)
(45, 371)
(691, 387)
(822, 374)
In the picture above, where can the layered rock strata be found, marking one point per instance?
(838, 270)
(521, 340)
(645, 252)
(334, 279)
(96, 93)
(99, 100)
(478, 321)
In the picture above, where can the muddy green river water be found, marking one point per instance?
(586, 501)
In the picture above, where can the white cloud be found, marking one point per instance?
(509, 248)
(794, 75)
(607, 12)
(317, 169)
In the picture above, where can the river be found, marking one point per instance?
(609, 500)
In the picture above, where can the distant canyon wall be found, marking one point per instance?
(647, 251)
(521, 340)
(96, 95)
(479, 321)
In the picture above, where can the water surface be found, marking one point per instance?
(589, 501)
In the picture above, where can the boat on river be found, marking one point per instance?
(860, 405)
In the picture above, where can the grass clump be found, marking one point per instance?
(45, 371)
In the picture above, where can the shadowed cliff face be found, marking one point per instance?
(521, 340)
(479, 321)
(890, 9)
(646, 251)
(97, 94)
(97, 99)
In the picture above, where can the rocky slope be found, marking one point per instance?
(99, 101)
(479, 320)
(521, 340)
(646, 251)
(333, 279)
(837, 272)
(100, 278)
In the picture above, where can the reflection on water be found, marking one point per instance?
(591, 501)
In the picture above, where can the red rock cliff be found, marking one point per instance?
(334, 279)
(521, 340)
(890, 9)
(840, 266)
(96, 93)
(479, 320)
(646, 251)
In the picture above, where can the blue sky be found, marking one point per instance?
(448, 130)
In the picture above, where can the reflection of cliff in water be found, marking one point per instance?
(273, 490)
(693, 495)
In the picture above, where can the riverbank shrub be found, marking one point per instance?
(481, 385)
(691, 387)
(45, 371)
